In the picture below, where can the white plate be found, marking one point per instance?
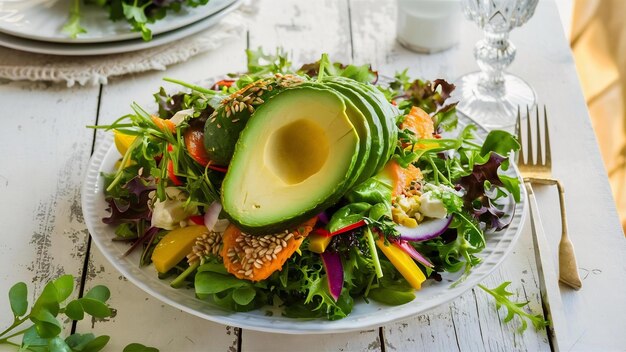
(43, 20)
(114, 47)
(363, 315)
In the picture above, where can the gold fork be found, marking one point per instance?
(540, 171)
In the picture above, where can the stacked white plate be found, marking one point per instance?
(36, 26)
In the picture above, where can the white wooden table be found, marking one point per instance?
(45, 147)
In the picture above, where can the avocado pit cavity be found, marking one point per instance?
(297, 151)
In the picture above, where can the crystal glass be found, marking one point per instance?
(490, 96)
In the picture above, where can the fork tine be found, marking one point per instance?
(529, 137)
(539, 149)
(548, 153)
(518, 129)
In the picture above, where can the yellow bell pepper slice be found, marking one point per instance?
(404, 263)
(175, 246)
(318, 243)
(122, 141)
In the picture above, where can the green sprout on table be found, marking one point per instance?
(501, 296)
(43, 334)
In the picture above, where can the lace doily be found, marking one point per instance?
(84, 70)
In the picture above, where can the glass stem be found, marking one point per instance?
(493, 54)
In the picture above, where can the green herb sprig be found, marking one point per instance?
(501, 296)
(138, 13)
(44, 331)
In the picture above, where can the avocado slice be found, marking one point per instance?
(365, 142)
(390, 114)
(384, 110)
(377, 135)
(295, 157)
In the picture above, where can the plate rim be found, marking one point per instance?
(93, 49)
(294, 325)
(158, 28)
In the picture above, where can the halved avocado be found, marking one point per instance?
(223, 127)
(362, 127)
(294, 158)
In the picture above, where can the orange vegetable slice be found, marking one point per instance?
(419, 122)
(163, 124)
(194, 142)
(400, 178)
(255, 258)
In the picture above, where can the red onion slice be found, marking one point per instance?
(426, 230)
(413, 253)
(211, 215)
(334, 273)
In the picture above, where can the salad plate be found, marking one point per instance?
(43, 20)
(106, 48)
(270, 319)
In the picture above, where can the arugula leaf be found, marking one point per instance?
(325, 67)
(392, 296)
(446, 119)
(500, 142)
(348, 215)
(136, 16)
(208, 282)
(134, 12)
(370, 191)
(244, 295)
(138, 13)
(260, 63)
(501, 295)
